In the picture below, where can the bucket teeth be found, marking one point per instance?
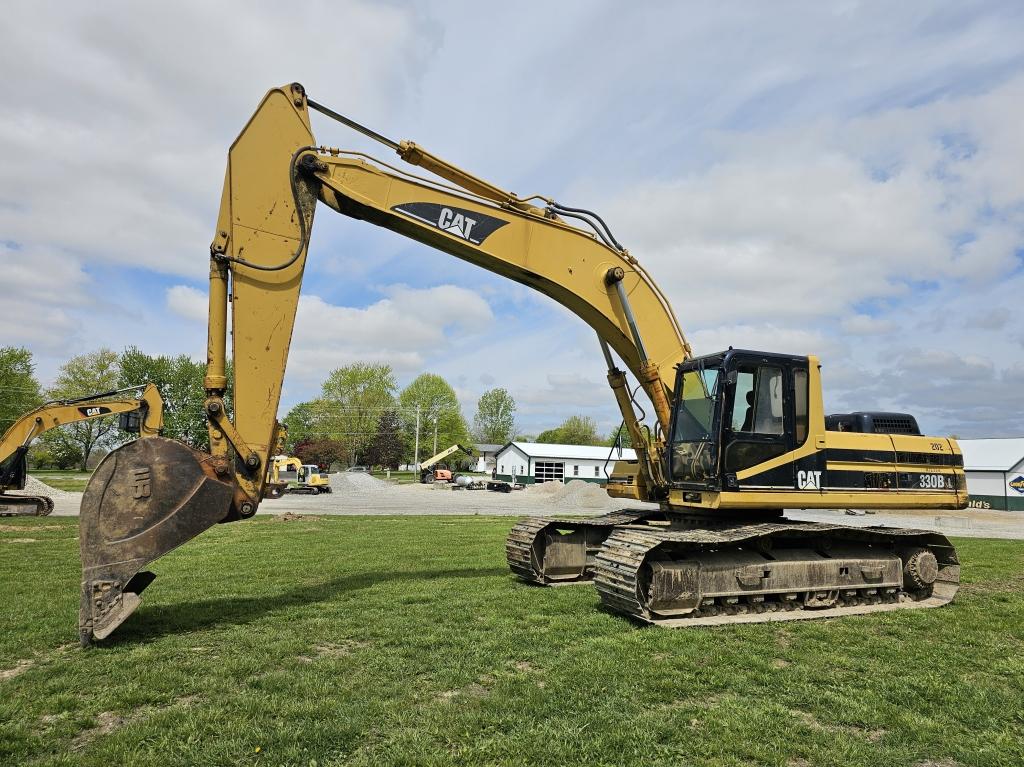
(145, 499)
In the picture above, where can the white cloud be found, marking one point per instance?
(41, 289)
(119, 151)
(855, 192)
(996, 318)
(189, 303)
(866, 325)
(404, 329)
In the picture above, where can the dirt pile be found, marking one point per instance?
(358, 482)
(546, 490)
(576, 493)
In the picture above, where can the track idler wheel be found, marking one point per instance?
(145, 499)
(920, 569)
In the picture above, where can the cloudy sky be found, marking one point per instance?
(841, 178)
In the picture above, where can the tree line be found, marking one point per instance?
(360, 416)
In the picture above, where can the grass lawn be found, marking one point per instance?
(398, 477)
(399, 641)
(63, 480)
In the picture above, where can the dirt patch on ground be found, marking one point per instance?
(524, 666)
(109, 721)
(809, 719)
(473, 690)
(290, 517)
(20, 668)
(106, 723)
(779, 663)
(21, 540)
(23, 528)
(940, 763)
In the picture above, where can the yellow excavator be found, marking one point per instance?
(308, 478)
(736, 437)
(142, 415)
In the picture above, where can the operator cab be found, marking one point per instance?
(734, 410)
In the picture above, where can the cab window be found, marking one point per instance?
(757, 407)
(757, 421)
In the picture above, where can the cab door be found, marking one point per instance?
(759, 423)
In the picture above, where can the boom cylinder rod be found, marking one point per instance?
(630, 319)
(607, 354)
(352, 124)
(216, 345)
(650, 375)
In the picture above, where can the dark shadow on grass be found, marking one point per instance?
(189, 616)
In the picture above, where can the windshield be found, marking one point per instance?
(694, 454)
(695, 409)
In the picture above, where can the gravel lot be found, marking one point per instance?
(356, 493)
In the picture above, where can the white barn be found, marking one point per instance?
(533, 462)
(995, 473)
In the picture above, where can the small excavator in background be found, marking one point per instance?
(141, 415)
(291, 475)
(734, 438)
(433, 470)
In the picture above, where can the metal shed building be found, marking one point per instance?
(533, 462)
(995, 473)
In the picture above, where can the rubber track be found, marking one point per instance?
(520, 541)
(621, 558)
(13, 500)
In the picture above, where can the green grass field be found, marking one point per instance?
(398, 477)
(63, 480)
(401, 641)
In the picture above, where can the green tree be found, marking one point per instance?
(351, 401)
(86, 374)
(495, 421)
(622, 433)
(180, 381)
(388, 444)
(574, 430)
(439, 408)
(320, 451)
(50, 453)
(19, 389)
(301, 423)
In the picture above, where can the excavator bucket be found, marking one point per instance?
(144, 500)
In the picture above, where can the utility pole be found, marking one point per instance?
(416, 456)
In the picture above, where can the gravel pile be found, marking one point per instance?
(580, 493)
(546, 490)
(358, 482)
(34, 487)
(576, 493)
